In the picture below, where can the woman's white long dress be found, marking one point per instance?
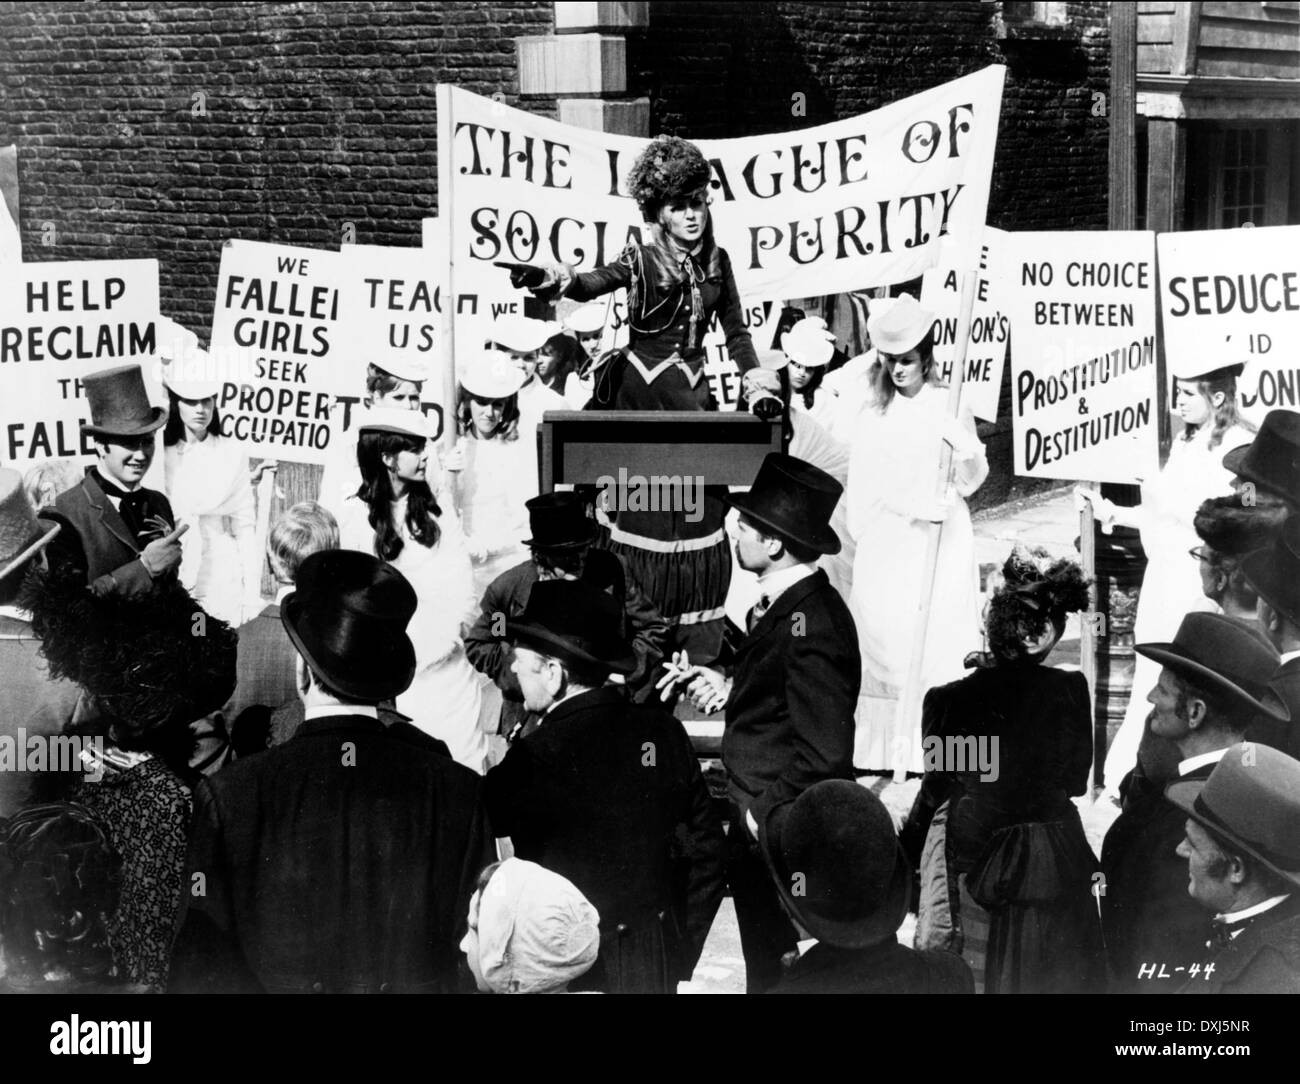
(499, 476)
(893, 471)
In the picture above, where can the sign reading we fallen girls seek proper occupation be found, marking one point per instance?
(60, 321)
(1083, 375)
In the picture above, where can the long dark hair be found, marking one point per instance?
(376, 490)
(174, 430)
(570, 358)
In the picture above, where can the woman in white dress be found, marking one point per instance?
(396, 518)
(206, 477)
(893, 475)
(494, 467)
(1171, 584)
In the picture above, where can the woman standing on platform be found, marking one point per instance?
(1171, 584)
(396, 517)
(893, 475)
(677, 281)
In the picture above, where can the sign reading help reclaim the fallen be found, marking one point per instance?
(1083, 354)
(1243, 283)
(60, 321)
(986, 351)
(275, 348)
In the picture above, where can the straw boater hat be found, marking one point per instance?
(1197, 366)
(119, 406)
(492, 375)
(521, 334)
(22, 535)
(586, 320)
(1251, 799)
(898, 324)
(1272, 460)
(794, 499)
(809, 343)
(574, 622)
(1274, 572)
(411, 423)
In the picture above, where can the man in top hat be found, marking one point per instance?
(562, 546)
(1242, 847)
(1271, 462)
(1274, 573)
(1214, 676)
(608, 793)
(522, 338)
(841, 875)
(343, 860)
(794, 687)
(121, 535)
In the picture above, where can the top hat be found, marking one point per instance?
(559, 521)
(119, 406)
(896, 328)
(410, 423)
(586, 320)
(521, 334)
(22, 535)
(809, 343)
(1252, 799)
(1222, 654)
(574, 622)
(1197, 366)
(836, 844)
(1272, 460)
(1274, 572)
(347, 617)
(795, 499)
(492, 375)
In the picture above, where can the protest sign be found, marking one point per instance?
(60, 321)
(1243, 283)
(275, 348)
(986, 353)
(1083, 354)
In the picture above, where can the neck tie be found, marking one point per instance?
(756, 612)
(133, 507)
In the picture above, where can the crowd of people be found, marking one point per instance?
(450, 753)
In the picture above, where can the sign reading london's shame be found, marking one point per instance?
(1083, 351)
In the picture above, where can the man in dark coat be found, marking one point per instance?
(608, 794)
(344, 860)
(839, 871)
(790, 704)
(1215, 674)
(1242, 848)
(121, 535)
(1274, 573)
(562, 548)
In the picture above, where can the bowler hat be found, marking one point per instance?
(347, 617)
(21, 534)
(1222, 655)
(492, 375)
(1272, 460)
(794, 499)
(575, 622)
(119, 406)
(1251, 799)
(559, 521)
(837, 863)
(898, 326)
(1274, 572)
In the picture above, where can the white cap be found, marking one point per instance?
(1194, 366)
(492, 375)
(386, 419)
(897, 327)
(520, 334)
(187, 368)
(586, 320)
(809, 342)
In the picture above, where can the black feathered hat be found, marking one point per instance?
(669, 168)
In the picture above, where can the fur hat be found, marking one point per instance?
(1232, 529)
(669, 168)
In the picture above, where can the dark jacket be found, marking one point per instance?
(1146, 914)
(97, 541)
(789, 719)
(266, 664)
(1284, 689)
(609, 794)
(886, 968)
(342, 861)
(1263, 959)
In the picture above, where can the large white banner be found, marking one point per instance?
(1243, 283)
(60, 321)
(867, 201)
(1083, 357)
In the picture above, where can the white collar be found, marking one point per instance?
(1231, 918)
(1192, 763)
(324, 711)
(773, 585)
(1287, 657)
(16, 613)
(284, 591)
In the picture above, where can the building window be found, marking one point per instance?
(1241, 172)
(1245, 172)
(1046, 14)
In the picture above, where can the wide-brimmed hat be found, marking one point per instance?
(347, 617)
(410, 423)
(119, 405)
(837, 863)
(1221, 655)
(586, 320)
(559, 521)
(1196, 365)
(1274, 572)
(794, 499)
(809, 343)
(492, 375)
(22, 535)
(187, 368)
(1251, 799)
(575, 622)
(1272, 460)
(897, 326)
(417, 372)
(521, 334)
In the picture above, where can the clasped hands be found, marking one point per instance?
(707, 689)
